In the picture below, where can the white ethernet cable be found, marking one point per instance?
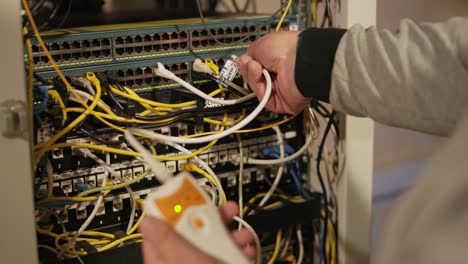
(308, 141)
(280, 169)
(87, 96)
(300, 241)
(160, 171)
(88, 154)
(258, 244)
(205, 166)
(294, 156)
(114, 174)
(86, 83)
(285, 245)
(163, 172)
(163, 72)
(241, 124)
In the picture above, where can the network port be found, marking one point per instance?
(154, 43)
(63, 52)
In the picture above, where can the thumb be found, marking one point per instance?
(251, 72)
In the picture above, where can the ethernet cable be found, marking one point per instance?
(297, 154)
(300, 241)
(115, 186)
(211, 178)
(49, 233)
(130, 94)
(274, 256)
(86, 84)
(283, 160)
(280, 169)
(285, 246)
(43, 148)
(119, 118)
(51, 249)
(87, 96)
(283, 16)
(265, 127)
(140, 202)
(131, 153)
(200, 66)
(89, 108)
(241, 124)
(84, 226)
(163, 72)
(56, 97)
(206, 167)
(137, 224)
(260, 195)
(160, 171)
(115, 175)
(258, 244)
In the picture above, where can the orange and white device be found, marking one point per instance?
(186, 207)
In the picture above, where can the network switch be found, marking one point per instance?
(94, 46)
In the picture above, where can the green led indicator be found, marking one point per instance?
(177, 208)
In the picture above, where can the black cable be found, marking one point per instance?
(121, 88)
(100, 140)
(236, 6)
(330, 13)
(52, 16)
(255, 207)
(40, 78)
(67, 14)
(116, 103)
(322, 183)
(320, 108)
(327, 15)
(36, 7)
(323, 111)
(215, 110)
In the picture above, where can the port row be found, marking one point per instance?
(125, 46)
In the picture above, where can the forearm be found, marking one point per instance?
(416, 78)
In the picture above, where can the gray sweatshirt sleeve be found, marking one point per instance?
(416, 78)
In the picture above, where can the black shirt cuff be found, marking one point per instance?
(315, 57)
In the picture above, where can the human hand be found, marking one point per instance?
(276, 52)
(161, 244)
